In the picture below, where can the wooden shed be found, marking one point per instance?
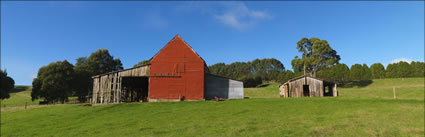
(307, 86)
(175, 73)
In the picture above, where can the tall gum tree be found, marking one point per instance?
(317, 55)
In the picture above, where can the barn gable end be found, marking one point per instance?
(177, 59)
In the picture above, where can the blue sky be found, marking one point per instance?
(34, 34)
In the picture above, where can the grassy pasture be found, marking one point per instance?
(18, 97)
(358, 111)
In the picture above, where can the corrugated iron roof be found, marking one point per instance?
(302, 76)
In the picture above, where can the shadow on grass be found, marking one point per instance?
(262, 85)
(19, 89)
(350, 84)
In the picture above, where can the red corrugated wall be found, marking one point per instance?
(176, 58)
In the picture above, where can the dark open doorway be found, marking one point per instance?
(306, 90)
(135, 89)
(328, 90)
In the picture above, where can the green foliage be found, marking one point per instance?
(377, 70)
(391, 71)
(251, 81)
(268, 69)
(82, 83)
(317, 55)
(356, 72)
(143, 62)
(284, 76)
(7, 84)
(367, 75)
(251, 72)
(101, 62)
(418, 69)
(337, 73)
(403, 69)
(54, 82)
(97, 63)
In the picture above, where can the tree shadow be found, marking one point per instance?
(263, 85)
(19, 89)
(360, 83)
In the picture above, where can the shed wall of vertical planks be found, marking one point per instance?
(107, 87)
(316, 88)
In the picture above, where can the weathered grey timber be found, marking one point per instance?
(306, 86)
(216, 86)
(107, 88)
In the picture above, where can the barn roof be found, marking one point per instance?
(121, 70)
(175, 37)
(299, 77)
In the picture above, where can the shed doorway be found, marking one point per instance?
(135, 89)
(306, 91)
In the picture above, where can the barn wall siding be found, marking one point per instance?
(176, 72)
(107, 87)
(177, 58)
(294, 88)
(223, 88)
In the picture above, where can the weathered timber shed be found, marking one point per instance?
(175, 73)
(307, 86)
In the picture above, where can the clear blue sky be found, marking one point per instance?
(34, 34)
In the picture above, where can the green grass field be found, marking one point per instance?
(358, 111)
(18, 97)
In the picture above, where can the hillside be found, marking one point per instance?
(368, 110)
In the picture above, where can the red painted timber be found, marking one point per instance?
(177, 58)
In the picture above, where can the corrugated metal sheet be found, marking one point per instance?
(223, 87)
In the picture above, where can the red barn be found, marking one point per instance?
(175, 73)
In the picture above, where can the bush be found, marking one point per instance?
(252, 81)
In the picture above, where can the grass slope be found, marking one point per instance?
(354, 113)
(18, 97)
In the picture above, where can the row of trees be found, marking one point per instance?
(318, 59)
(7, 84)
(59, 80)
(251, 73)
(341, 72)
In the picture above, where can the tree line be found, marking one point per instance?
(59, 80)
(251, 73)
(7, 84)
(338, 73)
(317, 59)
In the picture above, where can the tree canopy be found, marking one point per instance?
(82, 83)
(7, 84)
(316, 55)
(252, 72)
(338, 73)
(101, 62)
(143, 62)
(54, 82)
(377, 70)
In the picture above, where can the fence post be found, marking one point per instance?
(394, 93)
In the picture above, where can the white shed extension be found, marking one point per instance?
(216, 86)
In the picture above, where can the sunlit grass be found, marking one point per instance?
(366, 111)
